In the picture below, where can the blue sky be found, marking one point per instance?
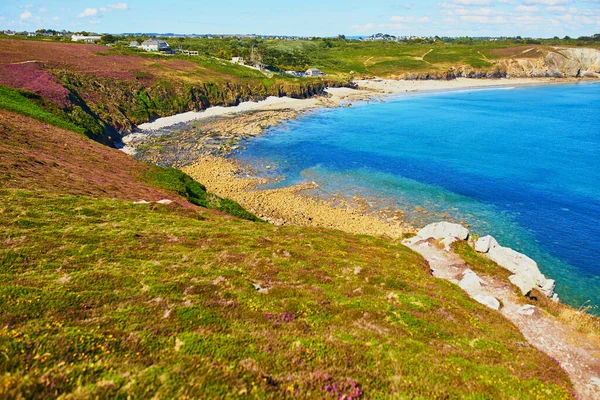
(538, 18)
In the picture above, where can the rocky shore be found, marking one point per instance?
(289, 205)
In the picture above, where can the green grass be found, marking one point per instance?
(23, 102)
(176, 181)
(101, 298)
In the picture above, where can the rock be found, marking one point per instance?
(595, 381)
(555, 298)
(164, 201)
(524, 282)
(526, 310)
(484, 244)
(511, 259)
(548, 287)
(443, 230)
(141, 202)
(470, 283)
(447, 242)
(489, 301)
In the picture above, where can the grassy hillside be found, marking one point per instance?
(105, 298)
(108, 91)
(101, 297)
(35, 155)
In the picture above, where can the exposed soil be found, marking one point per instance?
(577, 355)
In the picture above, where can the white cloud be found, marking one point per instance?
(88, 12)
(43, 10)
(523, 8)
(55, 19)
(363, 28)
(409, 19)
(119, 6)
(472, 2)
(555, 9)
(94, 12)
(548, 2)
(25, 15)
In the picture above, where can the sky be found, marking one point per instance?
(527, 18)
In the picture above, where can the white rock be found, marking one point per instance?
(555, 298)
(595, 381)
(484, 244)
(524, 282)
(470, 283)
(442, 230)
(447, 242)
(527, 309)
(511, 260)
(548, 287)
(164, 201)
(489, 301)
(141, 202)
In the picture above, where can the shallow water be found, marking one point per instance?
(521, 164)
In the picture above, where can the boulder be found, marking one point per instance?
(441, 230)
(527, 310)
(447, 242)
(524, 282)
(548, 287)
(470, 283)
(484, 244)
(511, 260)
(489, 301)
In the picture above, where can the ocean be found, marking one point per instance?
(521, 164)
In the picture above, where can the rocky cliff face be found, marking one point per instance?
(555, 62)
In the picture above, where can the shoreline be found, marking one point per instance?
(226, 127)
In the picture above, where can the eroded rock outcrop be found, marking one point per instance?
(527, 275)
(557, 62)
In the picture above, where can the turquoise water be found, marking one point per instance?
(521, 164)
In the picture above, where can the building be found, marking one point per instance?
(9, 33)
(237, 60)
(295, 74)
(155, 45)
(134, 44)
(31, 34)
(84, 38)
(313, 72)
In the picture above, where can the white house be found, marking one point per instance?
(9, 33)
(155, 45)
(295, 74)
(313, 72)
(134, 44)
(84, 38)
(237, 60)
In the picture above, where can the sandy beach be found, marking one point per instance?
(288, 206)
(208, 135)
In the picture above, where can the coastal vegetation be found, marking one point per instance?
(121, 279)
(107, 91)
(101, 297)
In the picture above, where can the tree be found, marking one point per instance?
(108, 39)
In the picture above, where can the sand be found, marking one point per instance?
(387, 86)
(288, 206)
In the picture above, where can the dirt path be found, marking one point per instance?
(483, 55)
(573, 351)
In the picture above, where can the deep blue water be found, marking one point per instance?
(522, 165)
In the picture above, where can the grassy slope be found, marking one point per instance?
(21, 102)
(104, 297)
(35, 155)
(101, 297)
